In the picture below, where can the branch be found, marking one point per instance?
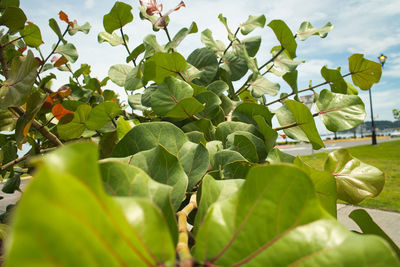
(229, 46)
(76, 78)
(182, 248)
(301, 91)
(54, 49)
(126, 45)
(273, 58)
(23, 158)
(287, 126)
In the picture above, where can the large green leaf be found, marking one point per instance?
(296, 112)
(284, 36)
(203, 125)
(195, 160)
(101, 114)
(68, 51)
(68, 128)
(240, 50)
(226, 128)
(211, 191)
(243, 144)
(165, 168)
(324, 184)
(133, 79)
(217, 46)
(270, 135)
(149, 135)
(31, 35)
(236, 66)
(224, 21)
(369, 227)
(123, 180)
(275, 211)
(306, 30)
(119, 73)
(106, 236)
(170, 94)
(13, 18)
(206, 61)
(152, 46)
(252, 45)
(355, 179)
(291, 79)
(179, 36)
(261, 86)
(119, 16)
(340, 112)
(283, 61)
(162, 65)
(56, 29)
(211, 104)
(335, 79)
(224, 157)
(364, 72)
(246, 111)
(251, 23)
(16, 89)
(276, 156)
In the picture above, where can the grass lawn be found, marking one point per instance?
(386, 157)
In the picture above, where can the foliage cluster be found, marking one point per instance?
(194, 149)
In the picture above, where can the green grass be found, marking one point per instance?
(386, 157)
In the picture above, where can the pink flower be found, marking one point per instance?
(151, 7)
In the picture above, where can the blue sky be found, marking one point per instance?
(367, 27)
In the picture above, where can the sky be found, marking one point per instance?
(360, 26)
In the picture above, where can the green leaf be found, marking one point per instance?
(291, 79)
(119, 73)
(135, 53)
(335, 79)
(306, 30)
(236, 66)
(224, 21)
(102, 114)
(13, 18)
(296, 112)
(195, 160)
(224, 157)
(261, 86)
(364, 72)
(133, 80)
(218, 87)
(240, 51)
(246, 111)
(70, 129)
(217, 46)
(324, 184)
(283, 61)
(146, 136)
(226, 128)
(211, 104)
(277, 156)
(213, 147)
(124, 180)
(31, 35)
(243, 233)
(135, 102)
(212, 191)
(170, 94)
(178, 38)
(12, 184)
(54, 26)
(106, 235)
(185, 109)
(252, 45)
(270, 135)
(119, 16)
(355, 179)
(162, 65)
(152, 46)
(250, 146)
(203, 125)
(68, 51)
(7, 121)
(113, 39)
(237, 169)
(85, 28)
(7, 3)
(123, 127)
(17, 87)
(206, 61)
(284, 36)
(163, 167)
(369, 227)
(251, 23)
(340, 112)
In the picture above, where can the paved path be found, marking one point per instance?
(306, 149)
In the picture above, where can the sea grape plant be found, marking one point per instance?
(189, 173)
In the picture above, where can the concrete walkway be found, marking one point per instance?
(388, 221)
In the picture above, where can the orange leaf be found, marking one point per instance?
(63, 17)
(48, 103)
(27, 127)
(22, 50)
(61, 61)
(59, 111)
(64, 91)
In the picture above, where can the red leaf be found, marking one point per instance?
(29, 22)
(59, 111)
(63, 17)
(23, 49)
(48, 103)
(61, 61)
(38, 60)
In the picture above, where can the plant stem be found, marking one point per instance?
(54, 49)
(126, 45)
(272, 59)
(301, 91)
(23, 158)
(182, 247)
(10, 42)
(287, 126)
(72, 73)
(229, 46)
